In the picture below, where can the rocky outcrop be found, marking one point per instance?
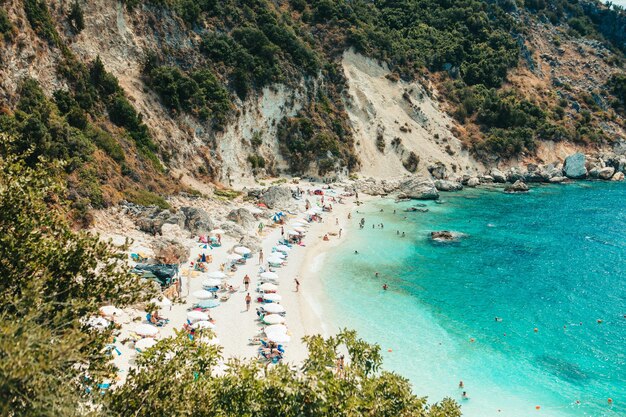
(438, 171)
(517, 187)
(445, 236)
(445, 185)
(498, 176)
(372, 186)
(574, 166)
(618, 176)
(606, 173)
(242, 217)
(197, 221)
(277, 197)
(514, 174)
(419, 188)
(167, 251)
(473, 182)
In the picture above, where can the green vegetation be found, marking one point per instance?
(6, 27)
(76, 18)
(617, 85)
(146, 198)
(52, 279)
(39, 17)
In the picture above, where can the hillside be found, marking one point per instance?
(145, 98)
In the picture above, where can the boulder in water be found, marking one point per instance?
(498, 176)
(517, 187)
(618, 176)
(574, 166)
(445, 185)
(473, 182)
(419, 188)
(445, 236)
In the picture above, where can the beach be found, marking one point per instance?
(234, 325)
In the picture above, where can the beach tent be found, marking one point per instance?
(269, 275)
(211, 282)
(273, 308)
(272, 297)
(212, 303)
(202, 294)
(195, 315)
(144, 344)
(277, 216)
(203, 324)
(242, 250)
(268, 287)
(273, 319)
(217, 275)
(146, 330)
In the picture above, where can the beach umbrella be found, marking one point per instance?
(276, 217)
(98, 323)
(273, 319)
(144, 344)
(272, 297)
(275, 329)
(202, 294)
(217, 232)
(274, 260)
(110, 311)
(212, 303)
(195, 315)
(278, 255)
(283, 248)
(299, 229)
(211, 282)
(268, 287)
(293, 233)
(164, 302)
(317, 209)
(269, 275)
(242, 250)
(311, 212)
(278, 337)
(301, 220)
(146, 330)
(217, 275)
(233, 257)
(297, 224)
(273, 308)
(203, 324)
(255, 210)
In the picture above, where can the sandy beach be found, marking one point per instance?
(234, 325)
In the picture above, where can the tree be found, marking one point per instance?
(76, 18)
(177, 377)
(52, 278)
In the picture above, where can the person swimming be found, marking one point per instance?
(461, 385)
(385, 287)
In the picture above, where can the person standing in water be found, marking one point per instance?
(385, 287)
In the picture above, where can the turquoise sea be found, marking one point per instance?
(553, 259)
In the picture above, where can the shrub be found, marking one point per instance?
(76, 18)
(144, 197)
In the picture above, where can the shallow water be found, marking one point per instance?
(553, 259)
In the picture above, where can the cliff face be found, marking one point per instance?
(382, 123)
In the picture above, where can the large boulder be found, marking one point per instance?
(473, 182)
(618, 176)
(550, 171)
(557, 180)
(277, 197)
(197, 221)
(438, 171)
(445, 185)
(168, 251)
(514, 174)
(517, 187)
(446, 236)
(370, 186)
(606, 173)
(419, 188)
(533, 174)
(151, 220)
(574, 166)
(242, 217)
(497, 175)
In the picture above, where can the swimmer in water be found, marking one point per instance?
(461, 385)
(385, 287)
(403, 234)
(498, 319)
(465, 397)
(356, 252)
(376, 274)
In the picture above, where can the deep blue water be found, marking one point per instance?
(551, 260)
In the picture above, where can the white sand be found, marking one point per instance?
(235, 325)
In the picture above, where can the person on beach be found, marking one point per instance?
(340, 232)
(261, 228)
(248, 301)
(297, 284)
(403, 234)
(282, 231)
(219, 239)
(398, 232)
(349, 216)
(246, 281)
(464, 395)
(260, 256)
(336, 221)
(326, 238)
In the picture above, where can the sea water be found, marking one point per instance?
(551, 264)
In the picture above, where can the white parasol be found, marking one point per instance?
(202, 294)
(273, 308)
(146, 330)
(144, 344)
(217, 275)
(211, 282)
(274, 319)
(195, 315)
(242, 250)
(268, 287)
(272, 297)
(203, 324)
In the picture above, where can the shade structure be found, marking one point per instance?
(272, 297)
(279, 337)
(203, 324)
(297, 224)
(144, 344)
(217, 275)
(268, 287)
(299, 229)
(110, 311)
(233, 257)
(275, 328)
(317, 209)
(214, 302)
(301, 220)
(278, 255)
(217, 232)
(163, 302)
(195, 315)
(293, 233)
(311, 212)
(242, 250)
(283, 248)
(211, 282)
(273, 319)
(273, 308)
(269, 275)
(98, 323)
(275, 258)
(146, 330)
(202, 294)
